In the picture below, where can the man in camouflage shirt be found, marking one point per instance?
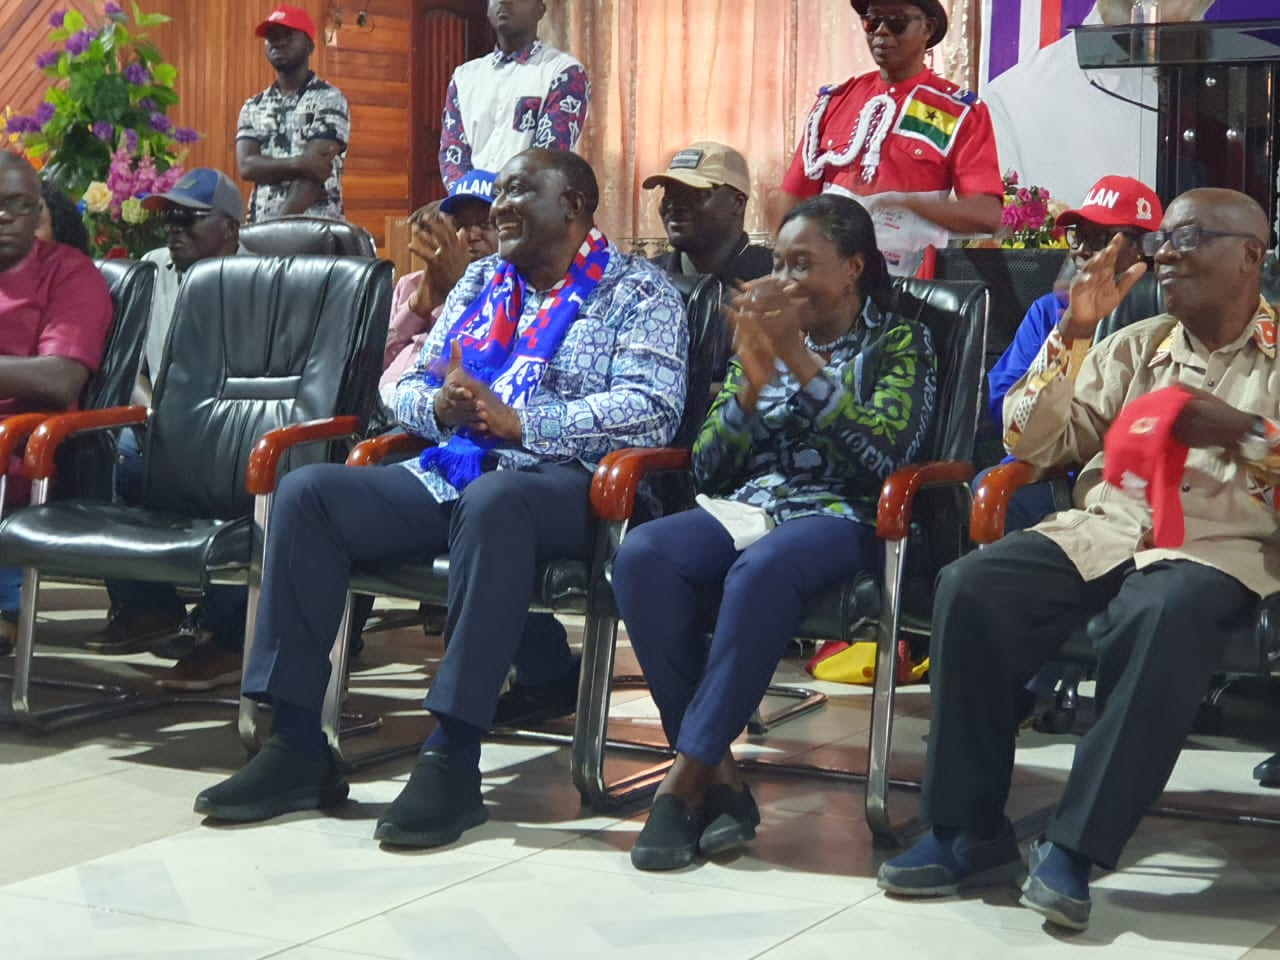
(292, 137)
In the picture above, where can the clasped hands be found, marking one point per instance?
(464, 401)
(435, 240)
(768, 325)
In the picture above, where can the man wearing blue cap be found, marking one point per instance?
(201, 218)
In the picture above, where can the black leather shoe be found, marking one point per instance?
(731, 816)
(669, 837)
(531, 705)
(275, 782)
(435, 806)
(1267, 773)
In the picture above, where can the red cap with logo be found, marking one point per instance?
(1142, 458)
(292, 17)
(1117, 202)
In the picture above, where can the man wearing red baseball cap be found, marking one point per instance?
(1161, 604)
(291, 140)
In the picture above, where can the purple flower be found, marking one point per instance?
(44, 113)
(131, 140)
(56, 18)
(104, 131)
(137, 74)
(20, 123)
(48, 59)
(149, 105)
(161, 123)
(112, 9)
(79, 42)
(185, 135)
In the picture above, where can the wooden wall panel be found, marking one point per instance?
(220, 63)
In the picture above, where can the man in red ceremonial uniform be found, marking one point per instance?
(913, 148)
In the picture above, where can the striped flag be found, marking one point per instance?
(932, 116)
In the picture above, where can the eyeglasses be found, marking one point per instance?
(182, 219)
(1093, 238)
(1187, 238)
(19, 205)
(896, 22)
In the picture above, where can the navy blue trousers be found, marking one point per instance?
(664, 571)
(328, 517)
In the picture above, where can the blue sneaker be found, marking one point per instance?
(1052, 888)
(941, 863)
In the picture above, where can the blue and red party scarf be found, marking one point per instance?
(512, 366)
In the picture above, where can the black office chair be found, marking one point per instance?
(296, 235)
(286, 350)
(1015, 279)
(927, 504)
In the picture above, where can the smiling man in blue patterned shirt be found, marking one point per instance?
(548, 355)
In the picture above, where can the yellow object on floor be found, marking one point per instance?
(857, 664)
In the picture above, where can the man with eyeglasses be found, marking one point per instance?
(201, 217)
(1160, 604)
(55, 313)
(916, 150)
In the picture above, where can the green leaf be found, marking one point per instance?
(73, 22)
(148, 52)
(61, 35)
(151, 19)
(164, 74)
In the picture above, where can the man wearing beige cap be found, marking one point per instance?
(704, 200)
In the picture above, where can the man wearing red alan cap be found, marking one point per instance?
(291, 140)
(902, 140)
(1159, 615)
(1114, 207)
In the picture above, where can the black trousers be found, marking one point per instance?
(1001, 612)
(328, 517)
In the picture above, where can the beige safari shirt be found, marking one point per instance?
(1059, 412)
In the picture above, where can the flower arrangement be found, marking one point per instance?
(1029, 219)
(101, 132)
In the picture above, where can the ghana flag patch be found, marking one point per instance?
(932, 116)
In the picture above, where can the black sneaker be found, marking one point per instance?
(731, 816)
(435, 806)
(669, 837)
(1267, 773)
(275, 782)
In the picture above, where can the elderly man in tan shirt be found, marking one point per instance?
(1160, 617)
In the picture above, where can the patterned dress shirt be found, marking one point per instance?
(501, 104)
(1060, 411)
(617, 380)
(283, 124)
(825, 448)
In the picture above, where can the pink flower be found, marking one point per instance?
(1034, 214)
(1011, 177)
(1024, 195)
(168, 180)
(144, 177)
(1010, 217)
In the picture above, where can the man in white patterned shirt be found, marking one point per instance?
(524, 94)
(291, 140)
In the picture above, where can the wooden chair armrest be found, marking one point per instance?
(991, 499)
(617, 478)
(49, 435)
(897, 496)
(369, 452)
(264, 461)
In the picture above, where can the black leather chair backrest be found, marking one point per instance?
(956, 315)
(1016, 279)
(708, 342)
(86, 462)
(291, 236)
(258, 343)
(1143, 301)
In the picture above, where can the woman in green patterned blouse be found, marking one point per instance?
(829, 392)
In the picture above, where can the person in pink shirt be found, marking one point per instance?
(446, 237)
(55, 313)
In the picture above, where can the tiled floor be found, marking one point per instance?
(101, 856)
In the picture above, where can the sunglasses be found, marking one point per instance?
(182, 219)
(896, 22)
(1081, 238)
(1187, 238)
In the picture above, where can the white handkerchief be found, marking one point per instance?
(745, 523)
